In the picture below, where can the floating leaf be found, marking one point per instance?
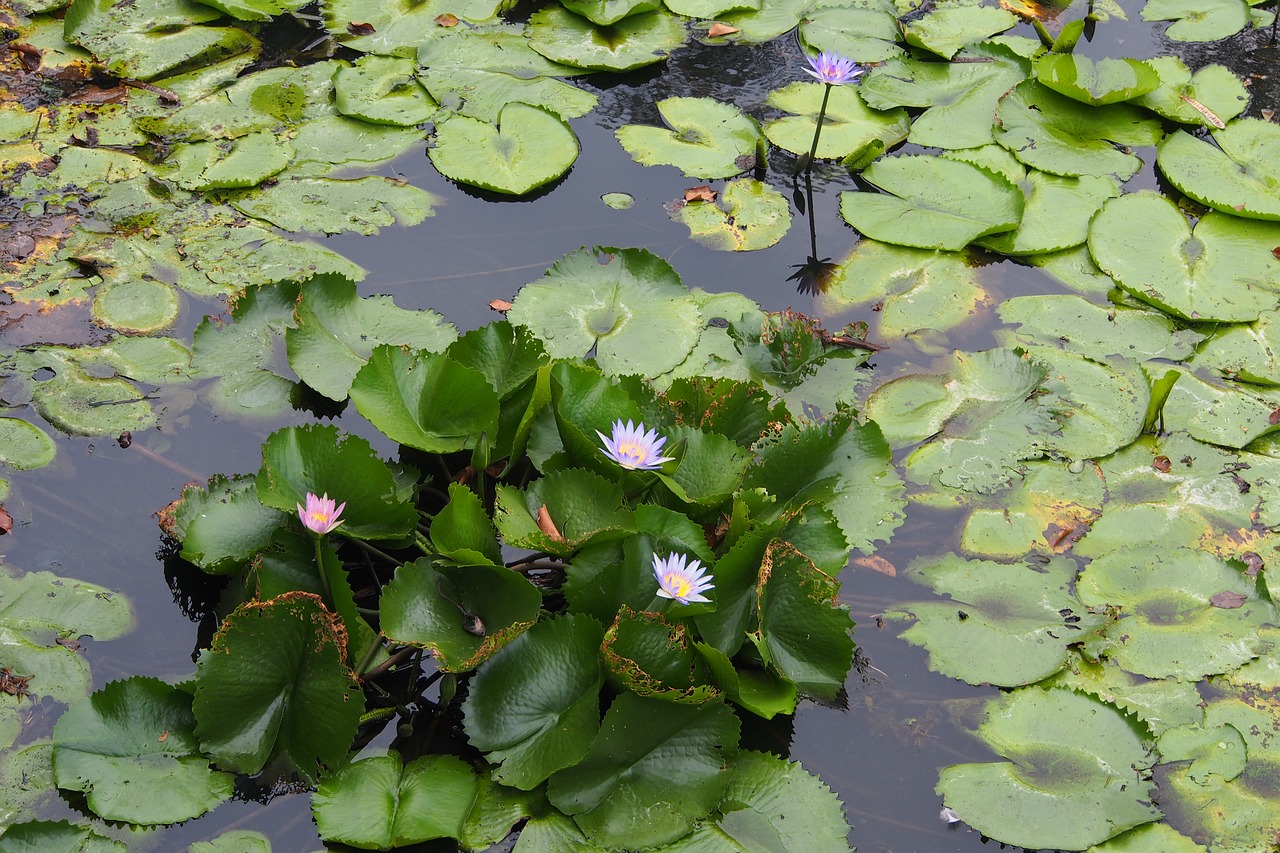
(222, 526)
(1199, 21)
(633, 42)
(329, 205)
(931, 206)
(1056, 213)
(1091, 330)
(605, 12)
(1107, 81)
(1221, 412)
(1214, 88)
(1238, 175)
(24, 446)
(583, 506)
(79, 403)
(35, 836)
(707, 139)
(864, 33)
(400, 27)
(528, 148)
(1245, 352)
(136, 307)
(848, 125)
(234, 841)
(131, 748)
(654, 658)
(383, 90)
(947, 29)
(750, 215)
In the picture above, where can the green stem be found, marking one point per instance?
(817, 131)
(368, 656)
(365, 546)
(324, 577)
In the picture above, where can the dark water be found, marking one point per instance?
(89, 515)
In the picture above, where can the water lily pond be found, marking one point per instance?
(681, 425)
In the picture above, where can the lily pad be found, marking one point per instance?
(632, 42)
(934, 203)
(1223, 270)
(1101, 405)
(482, 93)
(627, 305)
(1199, 21)
(605, 12)
(1061, 136)
(1107, 81)
(1168, 625)
(708, 139)
(231, 163)
(383, 90)
(23, 445)
(528, 148)
(1080, 326)
(1230, 414)
(81, 404)
(399, 27)
(1238, 175)
(1245, 352)
(1072, 778)
(748, 215)
(864, 32)
(1056, 213)
(1007, 625)
(364, 205)
(142, 306)
(1211, 93)
(848, 125)
(948, 28)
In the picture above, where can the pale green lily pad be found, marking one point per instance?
(934, 203)
(1080, 326)
(1161, 704)
(976, 422)
(1056, 213)
(863, 31)
(1056, 134)
(1217, 750)
(605, 12)
(1075, 270)
(330, 205)
(848, 125)
(770, 20)
(26, 779)
(710, 9)
(1199, 20)
(1240, 175)
(1007, 625)
(1150, 838)
(1221, 412)
(1224, 270)
(619, 201)
(383, 90)
(24, 446)
(139, 306)
(633, 42)
(481, 93)
(1107, 81)
(1169, 625)
(337, 141)
(400, 27)
(1246, 352)
(948, 28)
(748, 215)
(708, 139)
(80, 404)
(494, 47)
(1213, 87)
(528, 148)
(626, 304)
(231, 163)
(920, 291)
(961, 97)
(1072, 778)
(1101, 406)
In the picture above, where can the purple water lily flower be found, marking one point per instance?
(680, 582)
(634, 448)
(320, 515)
(832, 68)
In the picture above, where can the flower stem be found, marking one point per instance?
(324, 577)
(817, 131)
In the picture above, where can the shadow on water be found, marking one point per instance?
(89, 514)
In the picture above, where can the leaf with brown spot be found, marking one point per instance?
(702, 193)
(1252, 562)
(547, 526)
(6, 520)
(502, 306)
(360, 29)
(718, 29)
(1227, 599)
(1274, 417)
(876, 563)
(447, 20)
(1162, 464)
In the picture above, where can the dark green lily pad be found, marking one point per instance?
(1238, 175)
(848, 125)
(383, 90)
(708, 139)
(529, 147)
(132, 749)
(221, 527)
(1007, 625)
(1107, 81)
(1059, 135)
(627, 305)
(633, 42)
(584, 507)
(1218, 93)
(1223, 270)
(23, 445)
(948, 28)
(748, 215)
(933, 203)
(1072, 778)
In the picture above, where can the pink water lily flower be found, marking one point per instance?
(681, 582)
(634, 448)
(320, 515)
(832, 68)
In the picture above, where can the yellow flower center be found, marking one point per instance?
(677, 584)
(632, 449)
(319, 516)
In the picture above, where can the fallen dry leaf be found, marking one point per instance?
(702, 193)
(6, 521)
(1161, 464)
(1274, 417)
(502, 306)
(360, 29)
(163, 737)
(447, 20)
(1253, 564)
(547, 526)
(877, 563)
(718, 29)
(1228, 599)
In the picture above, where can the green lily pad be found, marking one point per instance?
(653, 769)
(383, 90)
(462, 531)
(1222, 412)
(654, 658)
(400, 27)
(1214, 88)
(482, 93)
(1248, 352)
(24, 446)
(919, 291)
(1061, 136)
(224, 525)
(1160, 704)
(1056, 213)
(961, 97)
(584, 507)
(864, 32)
(1223, 270)
(1101, 406)
(627, 305)
(849, 123)
(633, 42)
(933, 203)
(301, 706)
(1238, 175)
(1150, 838)
(377, 802)
(620, 201)
(81, 404)
(234, 841)
(765, 21)
(748, 215)
(1083, 327)
(364, 205)
(1199, 21)
(142, 306)
(708, 139)
(1170, 625)
(35, 836)
(335, 141)
(948, 28)
(26, 781)
(230, 163)
(605, 12)
(1007, 625)
(1107, 81)
(528, 148)
(977, 421)
(132, 749)
(336, 330)
(1072, 776)
(534, 708)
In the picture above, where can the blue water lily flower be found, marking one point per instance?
(834, 69)
(683, 583)
(634, 448)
